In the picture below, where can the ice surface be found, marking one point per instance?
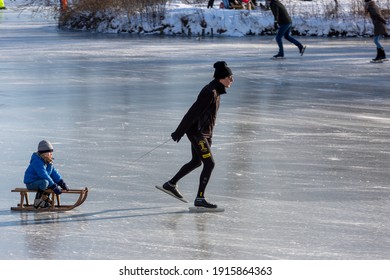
(301, 146)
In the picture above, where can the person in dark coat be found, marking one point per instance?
(210, 4)
(283, 22)
(198, 124)
(379, 27)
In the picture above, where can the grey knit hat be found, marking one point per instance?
(44, 147)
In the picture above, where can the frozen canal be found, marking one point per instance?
(302, 146)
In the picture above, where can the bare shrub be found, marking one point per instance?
(332, 9)
(93, 6)
(130, 6)
(385, 6)
(152, 10)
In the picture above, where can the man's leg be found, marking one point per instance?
(203, 148)
(204, 151)
(187, 168)
(278, 39)
(194, 163)
(292, 40)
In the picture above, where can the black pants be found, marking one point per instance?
(201, 153)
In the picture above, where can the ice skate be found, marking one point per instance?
(201, 202)
(302, 50)
(201, 205)
(380, 56)
(278, 56)
(172, 190)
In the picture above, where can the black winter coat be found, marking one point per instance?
(200, 118)
(280, 13)
(377, 18)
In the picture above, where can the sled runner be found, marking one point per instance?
(24, 204)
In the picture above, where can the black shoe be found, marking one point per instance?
(381, 54)
(278, 56)
(378, 53)
(201, 202)
(172, 189)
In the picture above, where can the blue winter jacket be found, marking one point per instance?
(39, 169)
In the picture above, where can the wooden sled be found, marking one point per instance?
(24, 204)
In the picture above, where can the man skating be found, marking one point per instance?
(198, 124)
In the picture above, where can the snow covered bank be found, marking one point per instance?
(176, 18)
(190, 20)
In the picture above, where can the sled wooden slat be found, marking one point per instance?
(24, 202)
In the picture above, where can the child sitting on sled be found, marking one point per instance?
(41, 175)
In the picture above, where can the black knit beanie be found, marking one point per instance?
(221, 70)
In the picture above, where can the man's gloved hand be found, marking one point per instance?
(63, 185)
(276, 25)
(176, 136)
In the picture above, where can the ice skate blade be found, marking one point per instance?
(162, 189)
(303, 50)
(379, 61)
(197, 209)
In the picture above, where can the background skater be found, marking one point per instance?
(283, 20)
(41, 175)
(198, 124)
(379, 28)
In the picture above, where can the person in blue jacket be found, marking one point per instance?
(41, 175)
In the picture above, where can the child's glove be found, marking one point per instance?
(56, 189)
(63, 185)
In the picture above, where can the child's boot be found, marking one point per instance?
(41, 200)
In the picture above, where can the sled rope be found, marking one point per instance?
(147, 153)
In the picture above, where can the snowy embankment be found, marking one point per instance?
(180, 19)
